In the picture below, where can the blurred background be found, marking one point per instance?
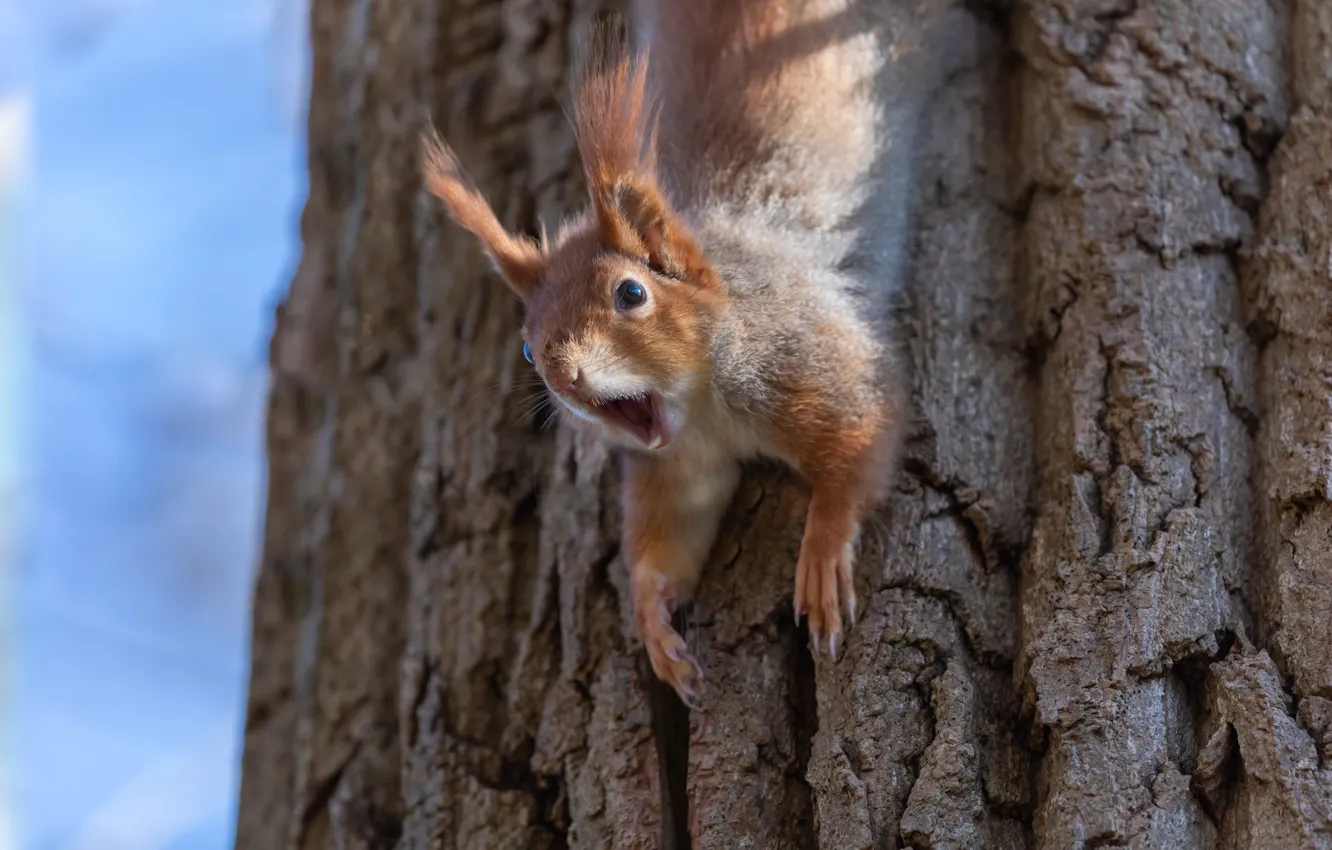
(151, 176)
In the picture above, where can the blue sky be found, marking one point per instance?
(157, 220)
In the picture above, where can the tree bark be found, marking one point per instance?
(1098, 611)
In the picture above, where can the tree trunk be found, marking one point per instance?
(1098, 608)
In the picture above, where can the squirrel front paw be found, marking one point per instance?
(672, 662)
(824, 590)
(654, 601)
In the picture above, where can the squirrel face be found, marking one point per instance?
(621, 346)
(619, 307)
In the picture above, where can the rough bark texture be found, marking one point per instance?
(1098, 610)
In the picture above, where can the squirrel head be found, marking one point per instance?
(619, 306)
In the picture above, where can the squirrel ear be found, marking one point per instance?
(618, 144)
(647, 225)
(518, 261)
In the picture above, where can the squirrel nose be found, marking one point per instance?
(571, 382)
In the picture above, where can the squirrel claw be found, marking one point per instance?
(676, 667)
(690, 692)
(670, 658)
(832, 643)
(689, 687)
(824, 591)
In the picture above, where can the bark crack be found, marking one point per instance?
(670, 733)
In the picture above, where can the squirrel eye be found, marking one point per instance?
(629, 294)
(527, 352)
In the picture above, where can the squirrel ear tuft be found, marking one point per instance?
(616, 136)
(518, 260)
(618, 145)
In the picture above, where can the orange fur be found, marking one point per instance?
(614, 134)
(747, 79)
(671, 511)
(743, 103)
(617, 141)
(518, 260)
(843, 459)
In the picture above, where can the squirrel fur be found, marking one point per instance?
(720, 298)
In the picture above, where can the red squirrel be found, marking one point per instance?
(710, 304)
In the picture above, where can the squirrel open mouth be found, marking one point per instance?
(639, 415)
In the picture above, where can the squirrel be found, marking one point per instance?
(714, 302)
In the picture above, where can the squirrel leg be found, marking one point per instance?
(849, 467)
(824, 587)
(672, 509)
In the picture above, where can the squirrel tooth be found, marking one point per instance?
(656, 442)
